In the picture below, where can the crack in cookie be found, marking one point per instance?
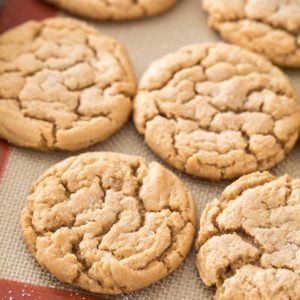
(63, 85)
(269, 27)
(248, 243)
(217, 111)
(109, 223)
(114, 10)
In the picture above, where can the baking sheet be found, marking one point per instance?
(146, 40)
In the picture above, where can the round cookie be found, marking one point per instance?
(114, 10)
(249, 243)
(63, 85)
(269, 27)
(109, 223)
(217, 111)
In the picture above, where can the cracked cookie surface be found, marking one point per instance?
(114, 9)
(249, 239)
(109, 223)
(217, 111)
(269, 27)
(63, 85)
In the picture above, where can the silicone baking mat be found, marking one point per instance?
(146, 40)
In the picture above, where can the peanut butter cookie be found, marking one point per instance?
(269, 27)
(217, 111)
(114, 9)
(63, 85)
(109, 223)
(249, 239)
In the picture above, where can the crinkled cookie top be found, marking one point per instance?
(269, 27)
(63, 85)
(249, 239)
(217, 111)
(109, 223)
(114, 9)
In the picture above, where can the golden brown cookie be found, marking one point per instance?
(217, 111)
(63, 85)
(249, 240)
(109, 223)
(114, 9)
(269, 27)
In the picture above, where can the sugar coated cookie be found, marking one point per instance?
(269, 27)
(63, 85)
(109, 223)
(114, 9)
(217, 111)
(248, 245)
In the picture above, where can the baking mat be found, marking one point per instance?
(146, 40)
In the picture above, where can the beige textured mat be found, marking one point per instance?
(146, 40)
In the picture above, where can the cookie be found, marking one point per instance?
(217, 111)
(109, 223)
(114, 10)
(63, 85)
(249, 243)
(269, 27)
